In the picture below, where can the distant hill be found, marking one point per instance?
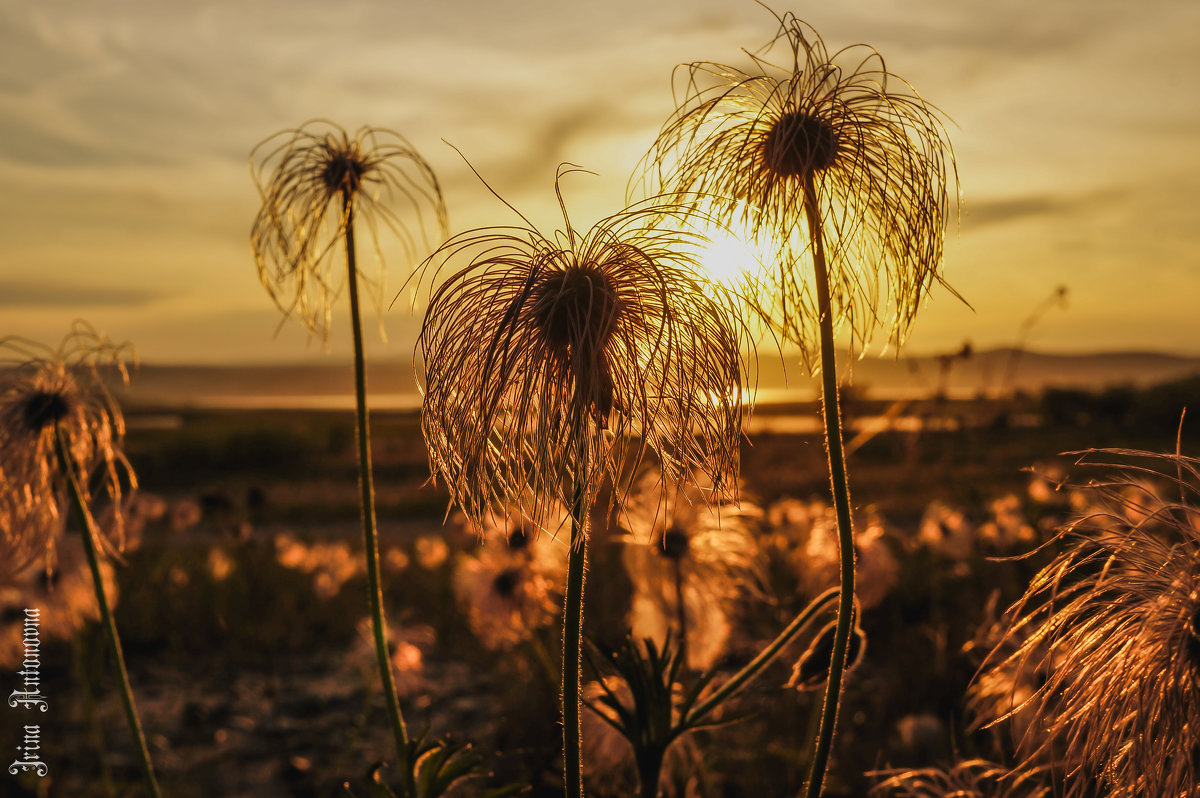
(392, 384)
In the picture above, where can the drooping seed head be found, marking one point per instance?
(48, 394)
(307, 178)
(799, 144)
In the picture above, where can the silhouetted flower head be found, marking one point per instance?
(760, 148)
(43, 390)
(1113, 623)
(975, 778)
(316, 181)
(548, 358)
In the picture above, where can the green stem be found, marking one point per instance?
(370, 537)
(839, 485)
(106, 618)
(573, 624)
(752, 668)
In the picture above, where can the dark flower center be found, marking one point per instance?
(800, 144)
(343, 171)
(43, 409)
(576, 307)
(675, 543)
(505, 583)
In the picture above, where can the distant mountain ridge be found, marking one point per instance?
(393, 384)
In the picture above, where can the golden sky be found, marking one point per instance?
(126, 127)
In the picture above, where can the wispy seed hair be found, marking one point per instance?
(607, 343)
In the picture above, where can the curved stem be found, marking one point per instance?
(839, 486)
(370, 537)
(106, 617)
(752, 668)
(573, 625)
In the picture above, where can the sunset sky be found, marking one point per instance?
(125, 131)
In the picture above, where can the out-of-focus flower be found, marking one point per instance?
(65, 600)
(947, 531)
(975, 778)
(806, 149)
(505, 601)
(1008, 526)
(431, 551)
(555, 359)
(407, 647)
(1113, 622)
(44, 392)
(220, 564)
(315, 182)
(817, 563)
(513, 586)
(689, 559)
(331, 564)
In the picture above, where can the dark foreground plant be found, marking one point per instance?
(844, 170)
(661, 709)
(61, 436)
(316, 183)
(551, 363)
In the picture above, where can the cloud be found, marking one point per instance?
(987, 213)
(57, 294)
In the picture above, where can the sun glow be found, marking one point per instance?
(730, 258)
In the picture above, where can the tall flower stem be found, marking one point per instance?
(106, 618)
(840, 488)
(370, 536)
(573, 625)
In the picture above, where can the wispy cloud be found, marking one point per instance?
(27, 293)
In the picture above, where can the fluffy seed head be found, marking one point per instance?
(545, 359)
(1111, 622)
(836, 137)
(315, 182)
(45, 392)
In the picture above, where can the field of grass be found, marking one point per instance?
(242, 605)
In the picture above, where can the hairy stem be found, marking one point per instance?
(573, 624)
(370, 536)
(106, 617)
(839, 486)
